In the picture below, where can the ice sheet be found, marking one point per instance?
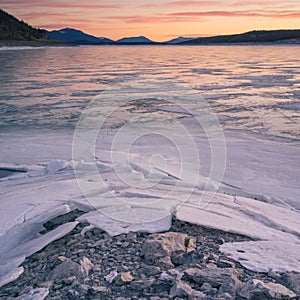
(264, 256)
(261, 176)
(243, 216)
(117, 226)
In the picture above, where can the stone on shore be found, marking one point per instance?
(158, 248)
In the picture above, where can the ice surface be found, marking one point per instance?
(258, 195)
(263, 256)
(11, 275)
(117, 226)
(243, 216)
(9, 270)
(277, 227)
(28, 248)
(11, 260)
(66, 105)
(253, 182)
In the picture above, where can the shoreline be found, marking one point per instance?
(90, 264)
(42, 43)
(51, 43)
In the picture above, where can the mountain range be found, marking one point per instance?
(12, 29)
(75, 36)
(255, 36)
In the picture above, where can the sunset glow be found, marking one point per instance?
(156, 19)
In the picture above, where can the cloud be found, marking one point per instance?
(202, 16)
(56, 4)
(180, 4)
(287, 15)
(271, 3)
(253, 3)
(267, 14)
(153, 19)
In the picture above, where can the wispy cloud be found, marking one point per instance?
(202, 15)
(271, 3)
(254, 3)
(180, 4)
(57, 4)
(261, 13)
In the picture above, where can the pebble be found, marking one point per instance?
(184, 263)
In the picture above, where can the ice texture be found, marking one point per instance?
(265, 256)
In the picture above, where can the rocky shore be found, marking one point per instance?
(37, 43)
(183, 263)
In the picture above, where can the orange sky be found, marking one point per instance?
(159, 20)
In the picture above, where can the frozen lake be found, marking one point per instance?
(251, 88)
(142, 131)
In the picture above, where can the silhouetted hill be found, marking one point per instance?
(11, 29)
(137, 40)
(77, 37)
(256, 36)
(178, 40)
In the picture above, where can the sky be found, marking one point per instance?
(159, 20)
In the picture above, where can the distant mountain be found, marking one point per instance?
(135, 40)
(75, 36)
(256, 36)
(12, 29)
(178, 40)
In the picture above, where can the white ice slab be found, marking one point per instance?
(111, 220)
(12, 275)
(10, 261)
(263, 256)
(243, 216)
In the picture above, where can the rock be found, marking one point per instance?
(158, 248)
(61, 258)
(111, 276)
(141, 285)
(190, 244)
(150, 270)
(35, 294)
(86, 266)
(166, 277)
(207, 289)
(257, 289)
(223, 263)
(191, 257)
(214, 276)
(230, 287)
(180, 289)
(69, 280)
(67, 269)
(291, 280)
(123, 278)
(175, 273)
(164, 283)
(197, 295)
